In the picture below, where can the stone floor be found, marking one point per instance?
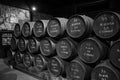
(6, 73)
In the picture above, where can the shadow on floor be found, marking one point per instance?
(5, 70)
(8, 77)
(4, 66)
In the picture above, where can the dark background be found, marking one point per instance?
(65, 8)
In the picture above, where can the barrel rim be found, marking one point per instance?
(79, 16)
(20, 54)
(111, 59)
(118, 41)
(53, 36)
(16, 41)
(96, 43)
(106, 12)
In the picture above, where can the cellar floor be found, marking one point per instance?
(6, 73)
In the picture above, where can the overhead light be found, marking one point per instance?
(34, 8)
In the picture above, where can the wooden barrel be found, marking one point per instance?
(18, 56)
(92, 50)
(22, 44)
(115, 54)
(10, 54)
(106, 25)
(33, 45)
(14, 42)
(47, 46)
(57, 78)
(77, 70)
(56, 66)
(17, 30)
(66, 48)
(40, 62)
(39, 28)
(105, 71)
(28, 60)
(56, 27)
(27, 29)
(45, 75)
(79, 26)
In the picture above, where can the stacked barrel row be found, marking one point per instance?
(78, 48)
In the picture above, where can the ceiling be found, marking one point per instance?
(60, 7)
(50, 3)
